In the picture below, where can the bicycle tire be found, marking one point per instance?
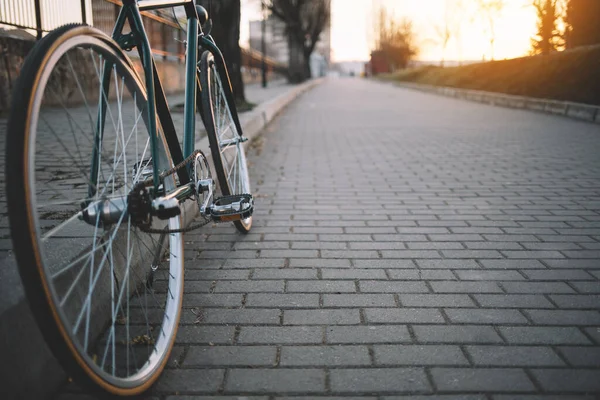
(33, 172)
(216, 112)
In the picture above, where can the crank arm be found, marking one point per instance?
(168, 206)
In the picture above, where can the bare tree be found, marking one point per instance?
(395, 39)
(548, 37)
(450, 27)
(490, 10)
(304, 20)
(444, 34)
(226, 15)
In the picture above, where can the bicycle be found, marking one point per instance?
(98, 184)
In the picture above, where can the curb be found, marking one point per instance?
(256, 120)
(569, 109)
(28, 369)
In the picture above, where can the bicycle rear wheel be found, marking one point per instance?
(105, 293)
(227, 151)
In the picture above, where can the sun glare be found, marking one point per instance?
(353, 29)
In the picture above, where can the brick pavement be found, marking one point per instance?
(404, 244)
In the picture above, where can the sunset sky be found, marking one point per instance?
(352, 30)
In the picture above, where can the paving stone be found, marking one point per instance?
(421, 274)
(537, 287)
(585, 301)
(321, 317)
(512, 264)
(581, 356)
(281, 335)
(533, 254)
(298, 273)
(354, 273)
(486, 275)
(358, 300)
(484, 316)
(199, 334)
(494, 245)
(514, 356)
(318, 263)
(448, 264)
(564, 317)
(435, 245)
(316, 356)
(392, 287)
(188, 380)
(557, 275)
(456, 334)
(379, 380)
(477, 380)
(212, 300)
(572, 263)
(437, 396)
(465, 287)
(402, 264)
(368, 334)
(416, 355)
(403, 315)
(513, 300)
(230, 356)
(321, 286)
(254, 263)
(248, 286)
(275, 380)
(540, 397)
(283, 300)
(568, 380)
(587, 287)
(543, 335)
(325, 398)
(435, 300)
(469, 254)
(455, 237)
(214, 274)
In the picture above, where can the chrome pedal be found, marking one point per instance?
(231, 208)
(204, 184)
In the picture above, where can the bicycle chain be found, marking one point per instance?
(138, 197)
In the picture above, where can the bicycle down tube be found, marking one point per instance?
(157, 102)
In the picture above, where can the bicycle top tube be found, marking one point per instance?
(154, 4)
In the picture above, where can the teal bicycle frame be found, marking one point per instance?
(157, 102)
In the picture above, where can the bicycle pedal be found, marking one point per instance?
(231, 208)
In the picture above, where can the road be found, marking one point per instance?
(403, 244)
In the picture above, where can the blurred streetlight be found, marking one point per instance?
(263, 45)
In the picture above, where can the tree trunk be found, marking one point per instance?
(297, 61)
(307, 66)
(225, 15)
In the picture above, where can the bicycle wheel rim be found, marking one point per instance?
(145, 372)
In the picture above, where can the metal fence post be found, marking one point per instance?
(83, 13)
(38, 19)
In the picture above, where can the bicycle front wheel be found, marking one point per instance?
(227, 150)
(105, 292)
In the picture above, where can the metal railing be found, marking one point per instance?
(164, 33)
(253, 59)
(43, 15)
